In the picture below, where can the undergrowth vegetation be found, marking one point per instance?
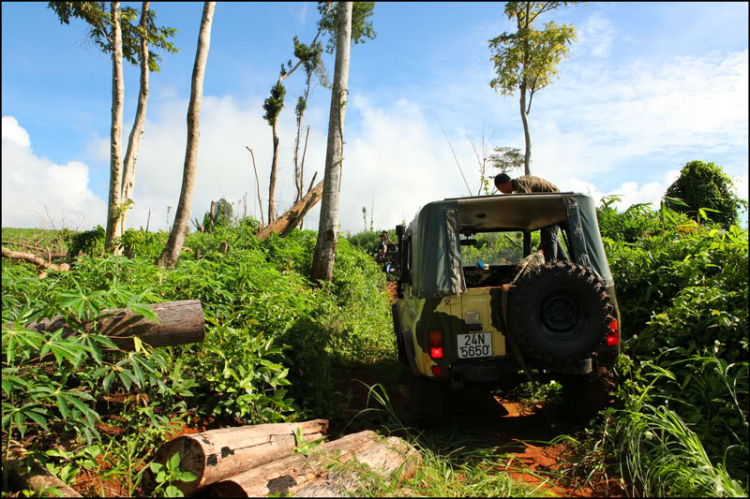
(682, 287)
(272, 338)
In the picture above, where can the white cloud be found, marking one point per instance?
(39, 193)
(12, 131)
(596, 35)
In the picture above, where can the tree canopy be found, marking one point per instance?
(528, 58)
(361, 25)
(100, 22)
(705, 186)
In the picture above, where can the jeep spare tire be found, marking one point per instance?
(559, 313)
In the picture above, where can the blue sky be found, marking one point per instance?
(647, 88)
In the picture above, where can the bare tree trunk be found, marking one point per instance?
(302, 170)
(136, 134)
(172, 251)
(257, 181)
(325, 248)
(526, 131)
(272, 183)
(115, 163)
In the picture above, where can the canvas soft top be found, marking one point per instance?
(435, 233)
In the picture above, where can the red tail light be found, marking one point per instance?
(436, 344)
(613, 335)
(437, 370)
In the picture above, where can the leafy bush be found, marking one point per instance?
(705, 185)
(86, 242)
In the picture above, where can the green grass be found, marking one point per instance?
(41, 238)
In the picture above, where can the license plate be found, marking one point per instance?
(474, 345)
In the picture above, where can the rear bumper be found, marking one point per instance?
(482, 371)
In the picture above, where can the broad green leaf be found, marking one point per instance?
(174, 462)
(63, 406)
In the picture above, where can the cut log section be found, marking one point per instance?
(289, 220)
(180, 323)
(218, 454)
(37, 479)
(389, 457)
(297, 473)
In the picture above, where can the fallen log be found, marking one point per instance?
(292, 474)
(180, 323)
(218, 454)
(289, 220)
(393, 455)
(37, 478)
(36, 260)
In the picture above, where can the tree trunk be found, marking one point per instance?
(285, 476)
(37, 479)
(218, 454)
(526, 131)
(180, 323)
(272, 183)
(136, 133)
(325, 248)
(389, 457)
(115, 162)
(172, 251)
(289, 220)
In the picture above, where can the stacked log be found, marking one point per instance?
(325, 472)
(218, 454)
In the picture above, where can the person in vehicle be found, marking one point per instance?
(551, 246)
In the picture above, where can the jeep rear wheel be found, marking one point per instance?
(559, 314)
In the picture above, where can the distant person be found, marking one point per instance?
(382, 248)
(526, 184)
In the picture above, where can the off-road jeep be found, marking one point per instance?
(476, 303)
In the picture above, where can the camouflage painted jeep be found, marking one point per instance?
(476, 304)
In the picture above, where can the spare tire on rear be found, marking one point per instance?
(559, 313)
